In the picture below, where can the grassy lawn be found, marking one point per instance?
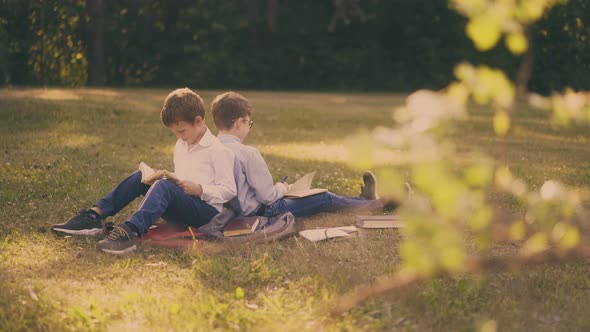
(61, 150)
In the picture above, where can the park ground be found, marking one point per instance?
(62, 149)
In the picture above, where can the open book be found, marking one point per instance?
(302, 187)
(150, 175)
(320, 234)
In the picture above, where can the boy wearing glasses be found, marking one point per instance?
(204, 165)
(256, 193)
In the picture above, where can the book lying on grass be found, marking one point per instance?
(241, 225)
(150, 175)
(320, 234)
(302, 187)
(378, 221)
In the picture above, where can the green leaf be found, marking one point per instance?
(484, 31)
(517, 43)
(240, 293)
(501, 123)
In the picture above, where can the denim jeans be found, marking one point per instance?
(324, 202)
(162, 199)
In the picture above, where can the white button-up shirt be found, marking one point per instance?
(210, 164)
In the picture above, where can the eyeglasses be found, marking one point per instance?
(250, 122)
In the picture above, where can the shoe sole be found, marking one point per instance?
(87, 232)
(120, 252)
(372, 175)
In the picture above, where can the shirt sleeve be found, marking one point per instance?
(223, 186)
(259, 178)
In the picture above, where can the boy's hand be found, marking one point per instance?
(191, 188)
(284, 184)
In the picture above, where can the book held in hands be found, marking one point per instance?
(241, 225)
(302, 187)
(378, 221)
(150, 175)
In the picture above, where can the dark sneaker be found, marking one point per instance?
(107, 227)
(369, 189)
(85, 223)
(120, 241)
(392, 203)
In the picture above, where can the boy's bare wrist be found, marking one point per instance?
(285, 185)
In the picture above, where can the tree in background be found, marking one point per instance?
(95, 42)
(262, 44)
(344, 12)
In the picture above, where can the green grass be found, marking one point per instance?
(63, 149)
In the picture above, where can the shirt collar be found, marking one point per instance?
(205, 141)
(227, 138)
(207, 138)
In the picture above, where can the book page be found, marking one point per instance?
(150, 175)
(146, 172)
(302, 184)
(169, 176)
(254, 225)
(319, 234)
(302, 187)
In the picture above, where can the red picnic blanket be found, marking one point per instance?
(173, 236)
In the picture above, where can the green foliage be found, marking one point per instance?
(56, 53)
(398, 46)
(561, 39)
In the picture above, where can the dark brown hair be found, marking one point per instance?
(182, 105)
(228, 107)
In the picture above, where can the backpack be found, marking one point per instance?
(272, 229)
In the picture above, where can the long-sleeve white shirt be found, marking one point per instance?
(210, 164)
(253, 179)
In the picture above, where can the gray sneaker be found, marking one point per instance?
(119, 241)
(85, 223)
(369, 188)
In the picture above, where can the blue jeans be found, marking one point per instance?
(324, 202)
(162, 199)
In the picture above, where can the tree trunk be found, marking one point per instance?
(252, 15)
(525, 70)
(96, 59)
(272, 7)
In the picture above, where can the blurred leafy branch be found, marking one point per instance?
(449, 200)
